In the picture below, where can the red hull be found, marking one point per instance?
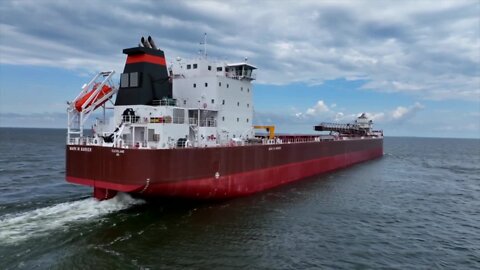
(210, 173)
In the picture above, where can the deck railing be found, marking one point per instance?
(259, 140)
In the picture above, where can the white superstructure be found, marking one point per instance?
(211, 106)
(217, 94)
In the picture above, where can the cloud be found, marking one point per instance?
(397, 115)
(403, 120)
(427, 49)
(339, 116)
(401, 113)
(319, 108)
(379, 116)
(322, 112)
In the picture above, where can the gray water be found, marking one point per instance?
(418, 207)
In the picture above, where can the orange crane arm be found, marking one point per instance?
(269, 129)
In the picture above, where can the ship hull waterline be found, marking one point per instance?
(210, 173)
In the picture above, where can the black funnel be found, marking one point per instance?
(144, 78)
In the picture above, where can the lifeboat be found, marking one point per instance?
(105, 90)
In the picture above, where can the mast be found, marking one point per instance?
(204, 43)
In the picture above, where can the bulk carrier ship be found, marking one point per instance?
(184, 129)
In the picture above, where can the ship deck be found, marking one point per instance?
(260, 139)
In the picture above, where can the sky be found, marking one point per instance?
(412, 66)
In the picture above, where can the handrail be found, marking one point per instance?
(205, 122)
(164, 102)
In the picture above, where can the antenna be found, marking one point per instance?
(204, 43)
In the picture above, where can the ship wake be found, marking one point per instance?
(41, 221)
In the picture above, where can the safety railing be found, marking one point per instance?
(239, 75)
(193, 121)
(164, 102)
(84, 141)
(131, 119)
(206, 122)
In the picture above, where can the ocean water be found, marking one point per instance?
(418, 207)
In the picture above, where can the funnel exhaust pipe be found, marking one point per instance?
(145, 43)
(152, 43)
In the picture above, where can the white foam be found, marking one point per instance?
(38, 222)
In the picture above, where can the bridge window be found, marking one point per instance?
(189, 66)
(206, 84)
(247, 120)
(238, 104)
(223, 102)
(124, 80)
(134, 79)
(241, 89)
(223, 118)
(195, 66)
(219, 84)
(219, 68)
(213, 101)
(178, 116)
(130, 79)
(238, 119)
(194, 85)
(227, 85)
(209, 67)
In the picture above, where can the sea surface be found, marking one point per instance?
(418, 207)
